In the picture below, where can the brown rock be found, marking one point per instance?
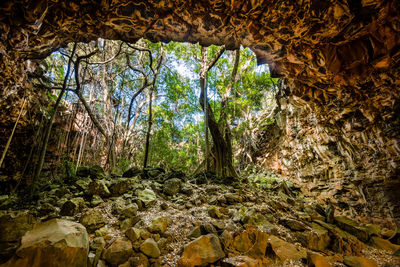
(241, 261)
(119, 251)
(353, 261)
(251, 242)
(12, 228)
(159, 225)
(316, 239)
(317, 260)
(201, 251)
(384, 244)
(133, 234)
(53, 243)
(352, 227)
(150, 248)
(92, 219)
(284, 250)
(294, 225)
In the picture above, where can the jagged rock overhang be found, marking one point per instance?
(340, 60)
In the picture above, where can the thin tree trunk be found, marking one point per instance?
(150, 123)
(12, 134)
(51, 121)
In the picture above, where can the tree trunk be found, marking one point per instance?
(51, 120)
(222, 151)
(150, 123)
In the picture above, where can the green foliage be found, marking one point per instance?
(177, 137)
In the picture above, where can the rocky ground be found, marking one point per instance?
(154, 218)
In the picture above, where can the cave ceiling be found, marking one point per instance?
(319, 43)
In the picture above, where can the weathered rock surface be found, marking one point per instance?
(150, 248)
(201, 251)
(284, 250)
(119, 251)
(12, 228)
(353, 261)
(92, 219)
(53, 243)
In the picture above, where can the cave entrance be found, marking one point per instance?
(123, 105)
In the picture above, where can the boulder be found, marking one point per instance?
(233, 198)
(133, 234)
(83, 184)
(120, 186)
(284, 250)
(251, 242)
(92, 219)
(353, 261)
(315, 239)
(94, 172)
(134, 171)
(150, 248)
(172, 186)
(53, 243)
(129, 211)
(352, 227)
(317, 260)
(201, 252)
(341, 241)
(292, 224)
(12, 228)
(71, 207)
(118, 252)
(159, 225)
(214, 212)
(384, 244)
(147, 196)
(96, 200)
(98, 187)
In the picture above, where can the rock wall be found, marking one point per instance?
(339, 60)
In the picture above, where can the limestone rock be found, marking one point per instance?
(53, 243)
(172, 186)
(201, 251)
(92, 219)
(353, 261)
(119, 251)
(284, 250)
(150, 248)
